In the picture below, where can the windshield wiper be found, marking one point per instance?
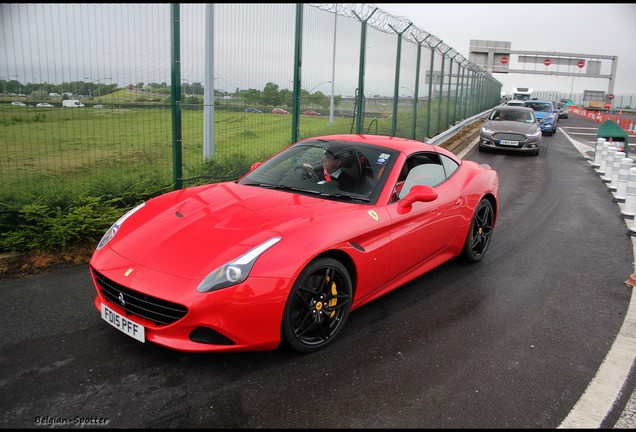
(345, 197)
(285, 187)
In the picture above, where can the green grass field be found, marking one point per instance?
(68, 173)
(127, 146)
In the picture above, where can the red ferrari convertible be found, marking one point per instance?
(284, 254)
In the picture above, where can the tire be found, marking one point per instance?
(479, 233)
(318, 306)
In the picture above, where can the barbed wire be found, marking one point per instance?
(391, 24)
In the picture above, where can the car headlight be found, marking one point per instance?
(115, 227)
(534, 134)
(235, 271)
(488, 131)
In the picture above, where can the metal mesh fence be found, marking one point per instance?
(88, 98)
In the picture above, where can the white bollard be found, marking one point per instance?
(618, 157)
(609, 164)
(623, 174)
(597, 152)
(601, 168)
(629, 210)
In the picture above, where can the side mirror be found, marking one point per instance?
(255, 165)
(417, 193)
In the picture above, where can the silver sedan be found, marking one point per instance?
(511, 128)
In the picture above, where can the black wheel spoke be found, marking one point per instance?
(318, 306)
(327, 280)
(339, 304)
(481, 231)
(307, 324)
(325, 328)
(476, 241)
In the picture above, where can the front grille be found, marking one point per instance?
(161, 312)
(509, 136)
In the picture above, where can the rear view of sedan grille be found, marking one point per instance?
(161, 312)
(509, 136)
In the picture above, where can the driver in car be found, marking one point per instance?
(332, 171)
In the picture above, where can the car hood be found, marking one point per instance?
(510, 126)
(193, 231)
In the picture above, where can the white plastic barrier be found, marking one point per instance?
(597, 152)
(618, 157)
(609, 164)
(623, 174)
(629, 210)
(601, 168)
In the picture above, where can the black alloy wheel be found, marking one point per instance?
(480, 232)
(318, 306)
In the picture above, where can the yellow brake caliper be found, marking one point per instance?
(334, 300)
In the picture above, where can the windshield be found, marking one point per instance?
(542, 107)
(327, 168)
(523, 116)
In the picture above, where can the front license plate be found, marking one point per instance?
(509, 143)
(123, 324)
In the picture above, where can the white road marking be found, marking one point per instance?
(605, 389)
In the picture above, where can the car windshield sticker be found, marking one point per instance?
(382, 158)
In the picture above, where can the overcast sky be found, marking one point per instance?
(600, 29)
(111, 43)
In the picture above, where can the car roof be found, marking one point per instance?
(405, 145)
(539, 101)
(513, 108)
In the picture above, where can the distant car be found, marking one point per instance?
(511, 128)
(547, 114)
(279, 111)
(515, 102)
(44, 105)
(18, 103)
(311, 113)
(253, 110)
(98, 106)
(563, 110)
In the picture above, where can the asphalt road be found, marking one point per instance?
(511, 342)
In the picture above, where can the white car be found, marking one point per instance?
(18, 103)
(516, 102)
(44, 105)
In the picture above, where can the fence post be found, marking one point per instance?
(177, 160)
